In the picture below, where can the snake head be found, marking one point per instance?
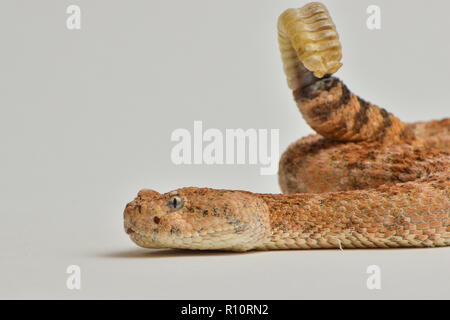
(197, 218)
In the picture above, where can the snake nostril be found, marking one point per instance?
(156, 220)
(129, 231)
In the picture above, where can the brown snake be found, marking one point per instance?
(366, 180)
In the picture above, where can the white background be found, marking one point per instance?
(86, 119)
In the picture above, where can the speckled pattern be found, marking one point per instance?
(366, 180)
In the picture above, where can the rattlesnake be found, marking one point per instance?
(366, 180)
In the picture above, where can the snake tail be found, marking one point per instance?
(311, 52)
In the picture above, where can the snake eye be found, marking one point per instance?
(175, 203)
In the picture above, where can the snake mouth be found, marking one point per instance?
(145, 240)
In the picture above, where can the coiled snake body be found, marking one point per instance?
(366, 180)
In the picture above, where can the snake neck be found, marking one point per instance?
(305, 221)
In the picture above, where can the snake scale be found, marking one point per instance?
(365, 180)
